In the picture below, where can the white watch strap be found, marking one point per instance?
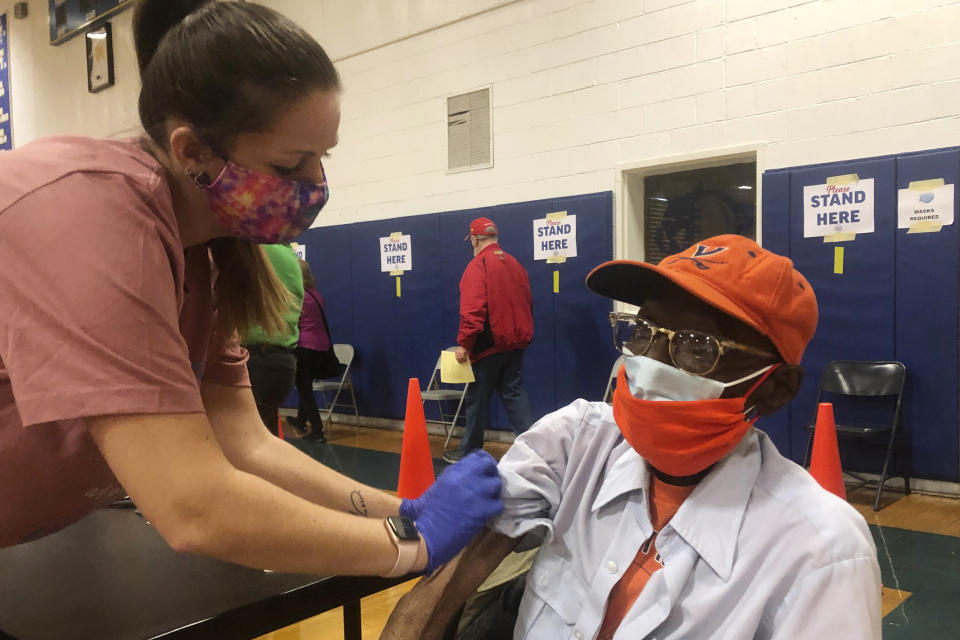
(406, 553)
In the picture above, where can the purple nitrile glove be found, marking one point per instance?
(455, 507)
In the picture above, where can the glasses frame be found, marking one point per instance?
(723, 345)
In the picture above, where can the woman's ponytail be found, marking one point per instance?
(153, 19)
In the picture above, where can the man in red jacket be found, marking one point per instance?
(496, 325)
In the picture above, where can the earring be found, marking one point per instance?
(200, 178)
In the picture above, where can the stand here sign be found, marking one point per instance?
(555, 237)
(833, 208)
(396, 253)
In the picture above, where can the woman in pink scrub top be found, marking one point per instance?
(127, 269)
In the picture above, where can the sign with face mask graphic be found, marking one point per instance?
(925, 207)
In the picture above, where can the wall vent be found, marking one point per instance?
(469, 132)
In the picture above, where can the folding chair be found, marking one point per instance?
(442, 395)
(868, 382)
(344, 353)
(612, 379)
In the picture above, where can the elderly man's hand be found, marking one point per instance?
(461, 355)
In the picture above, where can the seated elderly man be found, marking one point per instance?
(667, 515)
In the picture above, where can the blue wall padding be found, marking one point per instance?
(583, 337)
(927, 327)
(895, 300)
(331, 267)
(397, 337)
(400, 338)
(776, 238)
(856, 307)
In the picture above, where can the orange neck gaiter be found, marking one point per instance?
(681, 438)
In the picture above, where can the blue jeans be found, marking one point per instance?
(500, 372)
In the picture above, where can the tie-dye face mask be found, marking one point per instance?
(262, 208)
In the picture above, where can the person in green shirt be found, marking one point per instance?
(273, 361)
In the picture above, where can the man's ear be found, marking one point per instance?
(777, 390)
(190, 152)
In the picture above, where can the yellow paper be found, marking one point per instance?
(844, 179)
(398, 286)
(839, 237)
(838, 260)
(452, 372)
(925, 226)
(395, 236)
(926, 185)
(556, 282)
(556, 215)
(557, 260)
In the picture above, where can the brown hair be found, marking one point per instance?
(227, 68)
(309, 282)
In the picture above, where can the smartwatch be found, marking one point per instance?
(406, 538)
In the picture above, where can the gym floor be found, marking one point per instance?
(917, 536)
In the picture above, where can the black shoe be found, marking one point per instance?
(453, 456)
(299, 426)
(315, 435)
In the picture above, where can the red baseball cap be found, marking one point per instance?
(733, 274)
(482, 227)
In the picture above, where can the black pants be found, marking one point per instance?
(500, 372)
(311, 365)
(272, 371)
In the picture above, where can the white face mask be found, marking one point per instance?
(651, 379)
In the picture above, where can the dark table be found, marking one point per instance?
(112, 577)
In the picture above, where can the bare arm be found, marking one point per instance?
(250, 447)
(174, 469)
(425, 612)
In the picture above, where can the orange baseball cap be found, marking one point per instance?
(733, 274)
(482, 227)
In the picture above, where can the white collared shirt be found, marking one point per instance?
(758, 551)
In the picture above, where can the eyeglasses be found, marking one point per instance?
(691, 351)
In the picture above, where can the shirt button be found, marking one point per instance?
(612, 566)
(578, 634)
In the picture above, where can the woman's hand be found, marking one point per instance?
(455, 507)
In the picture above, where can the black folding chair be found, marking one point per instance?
(868, 382)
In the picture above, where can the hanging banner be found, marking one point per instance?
(396, 254)
(555, 237)
(6, 126)
(844, 205)
(925, 206)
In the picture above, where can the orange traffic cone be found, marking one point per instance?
(280, 427)
(416, 463)
(825, 459)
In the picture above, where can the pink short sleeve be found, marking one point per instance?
(228, 366)
(91, 278)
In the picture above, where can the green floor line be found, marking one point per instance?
(928, 566)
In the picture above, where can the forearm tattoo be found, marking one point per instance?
(359, 506)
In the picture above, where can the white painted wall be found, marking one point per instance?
(579, 87)
(49, 84)
(348, 27)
